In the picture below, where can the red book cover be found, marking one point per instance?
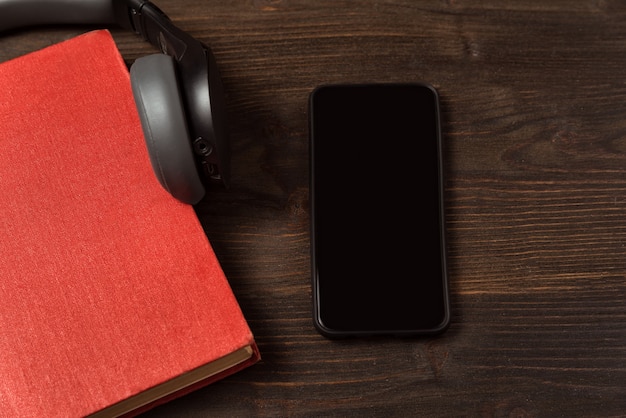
(111, 297)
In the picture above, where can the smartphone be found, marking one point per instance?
(377, 218)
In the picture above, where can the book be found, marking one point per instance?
(112, 300)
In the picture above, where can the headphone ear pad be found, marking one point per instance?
(161, 111)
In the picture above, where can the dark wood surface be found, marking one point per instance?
(534, 123)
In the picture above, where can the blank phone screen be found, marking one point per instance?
(378, 254)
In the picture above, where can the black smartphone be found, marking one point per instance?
(377, 218)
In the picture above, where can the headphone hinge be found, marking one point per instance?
(128, 15)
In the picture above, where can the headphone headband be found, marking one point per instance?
(15, 14)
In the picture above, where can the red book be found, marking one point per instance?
(111, 297)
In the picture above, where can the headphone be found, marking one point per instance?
(178, 93)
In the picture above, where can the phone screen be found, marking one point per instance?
(377, 235)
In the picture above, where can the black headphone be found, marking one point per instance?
(178, 93)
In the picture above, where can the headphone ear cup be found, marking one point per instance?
(161, 111)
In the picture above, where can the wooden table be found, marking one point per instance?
(534, 123)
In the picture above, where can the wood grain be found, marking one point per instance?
(534, 114)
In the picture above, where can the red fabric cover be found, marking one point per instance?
(108, 285)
